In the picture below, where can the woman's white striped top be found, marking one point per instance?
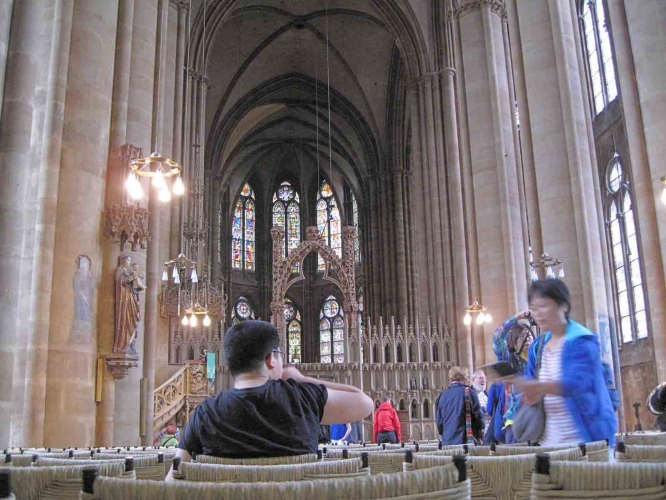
(560, 427)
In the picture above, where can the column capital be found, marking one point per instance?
(462, 7)
(181, 5)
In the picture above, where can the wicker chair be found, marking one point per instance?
(608, 481)
(640, 453)
(500, 478)
(439, 482)
(296, 459)
(63, 482)
(214, 473)
(644, 438)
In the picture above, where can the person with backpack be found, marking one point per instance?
(386, 426)
(170, 436)
(458, 413)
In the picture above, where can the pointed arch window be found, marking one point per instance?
(287, 215)
(357, 241)
(599, 54)
(294, 325)
(243, 250)
(328, 222)
(331, 332)
(242, 310)
(627, 266)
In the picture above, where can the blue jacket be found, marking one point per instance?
(583, 384)
(495, 408)
(450, 416)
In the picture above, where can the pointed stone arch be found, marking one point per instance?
(283, 276)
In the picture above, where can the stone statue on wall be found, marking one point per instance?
(412, 385)
(84, 291)
(128, 284)
(425, 384)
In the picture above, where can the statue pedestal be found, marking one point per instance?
(119, 364)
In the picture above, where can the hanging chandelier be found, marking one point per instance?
(159, 170)
(478, 310)
(548, 263)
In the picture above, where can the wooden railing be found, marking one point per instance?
(187, 388)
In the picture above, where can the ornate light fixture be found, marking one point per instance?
(548, 263)
(478, 310)
(158, 169)
(663, 192)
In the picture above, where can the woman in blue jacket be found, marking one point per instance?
(570, 380)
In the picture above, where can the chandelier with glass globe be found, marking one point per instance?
(478, 310)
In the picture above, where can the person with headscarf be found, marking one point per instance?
(511, 343)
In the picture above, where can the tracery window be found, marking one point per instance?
(599, 54)
(293, 322)
(357, 241)
(331, 332)
(629, 289)
(242, 310)
(243, 250)
(287, 215)
(328, 221)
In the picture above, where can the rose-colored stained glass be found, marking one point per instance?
(331, 332)
(338, 348)
(325, 359)
(331, 308)
(338, 335)
(326, 191)
(326, 348)
(243, 308)
(247, 191)
(340, 359)
(325, 336)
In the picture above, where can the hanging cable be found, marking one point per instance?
(328, 82)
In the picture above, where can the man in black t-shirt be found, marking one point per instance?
(271, 411)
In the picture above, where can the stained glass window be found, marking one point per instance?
(287, 215)
(293, 322)
(599, 54)
(331, 332)
(629, 291)
(243, 238)
(357, 241)
(328, 222)
(242, 310)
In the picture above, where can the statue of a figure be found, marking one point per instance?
(128, 285)
(412, 384)
(84, 291)
(425, 383)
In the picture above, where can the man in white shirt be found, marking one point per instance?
(479, 382)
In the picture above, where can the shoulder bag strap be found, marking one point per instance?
(540, 347)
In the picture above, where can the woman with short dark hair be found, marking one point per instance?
(570, 380)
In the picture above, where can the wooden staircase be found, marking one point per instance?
(187, 388)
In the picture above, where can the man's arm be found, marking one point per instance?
(347, 433)
(184, 457)
(345, 403)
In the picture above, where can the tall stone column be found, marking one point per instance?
(5, 24)
(458, 239)
(23, 57)
(153, 265)
(70, 376)
(489, 110)
(565, 170)
(400, 243)
(629, 57)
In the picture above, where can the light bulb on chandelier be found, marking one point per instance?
(158, 179)
(206, 320)
(193, 320)
(165, 275)
(480, 319)
(195, 278)
(467, 319)
(178, 187)
(164, 195)
(133, 186)
(184, 321)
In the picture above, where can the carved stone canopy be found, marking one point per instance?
(120, 364)
(127, 223)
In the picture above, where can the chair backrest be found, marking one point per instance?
(62, 482)
(587, 480)
(296, 459)
(439, 482)
(265, 473)
(640, 453)
(644, 438)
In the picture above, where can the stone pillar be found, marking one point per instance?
(153, 265)
(70, 376)
(643, 183)
(178, 153)
(629, 58)
(5, 24)
(400, 243)
(15, 146)
(489, 108)
(458, 246)
(565, 170)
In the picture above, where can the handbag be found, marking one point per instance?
(530, 421)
